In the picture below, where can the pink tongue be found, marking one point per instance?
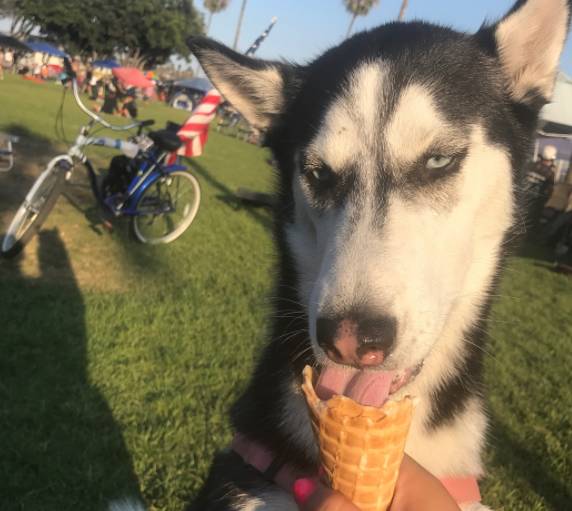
(369, 388)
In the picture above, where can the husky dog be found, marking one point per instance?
(400, 157)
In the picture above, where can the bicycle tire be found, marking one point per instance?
(151, 197)
(47, 188)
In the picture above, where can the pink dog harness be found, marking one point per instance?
(462, 489)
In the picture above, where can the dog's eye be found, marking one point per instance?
(438, 162)
(320, 175)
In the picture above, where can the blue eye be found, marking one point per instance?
(438, 162)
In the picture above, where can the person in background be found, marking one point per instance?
(110, 101)
(37, 70)
(8, 63)
(1, 63)
(87, 85)
(539, 183)
(129, 107)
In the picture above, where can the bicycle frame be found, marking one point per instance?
(6, 152)
(152, 167)
(150, 170)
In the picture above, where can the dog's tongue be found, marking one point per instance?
(369, 388)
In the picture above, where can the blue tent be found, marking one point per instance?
(43, 47)
(106, 64)
(7, 41)
(200, 84)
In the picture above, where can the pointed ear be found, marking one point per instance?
(256, 88)
(529, 42)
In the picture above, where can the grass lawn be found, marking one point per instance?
(119, 361)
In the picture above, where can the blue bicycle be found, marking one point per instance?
(160, 199)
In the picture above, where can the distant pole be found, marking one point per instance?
(237, 35)
(209, 23)
(354, 16)
(403, 9)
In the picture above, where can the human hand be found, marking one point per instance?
(416, 490)
(419, 490)
(312, 495)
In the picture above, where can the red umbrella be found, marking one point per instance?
(132, 77)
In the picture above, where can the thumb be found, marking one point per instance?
(311, 495)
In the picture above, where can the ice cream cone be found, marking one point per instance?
(361, 446)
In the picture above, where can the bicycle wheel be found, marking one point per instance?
(35, 209)
(166, 208)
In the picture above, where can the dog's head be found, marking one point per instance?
(399, 153)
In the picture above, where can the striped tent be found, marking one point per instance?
(194, 132)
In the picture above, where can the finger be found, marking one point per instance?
(313, 496)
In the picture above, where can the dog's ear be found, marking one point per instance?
(256, 88)
(529, 41)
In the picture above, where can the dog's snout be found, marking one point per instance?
(359, 341)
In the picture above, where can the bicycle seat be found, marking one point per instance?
(165, 140)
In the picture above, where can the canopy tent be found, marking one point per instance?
(106, 64)
(7, 41)
(200, 84)
(556, 126)
(132, 77)
(43, 47)
(556, 117)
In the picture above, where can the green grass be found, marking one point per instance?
(119, 361)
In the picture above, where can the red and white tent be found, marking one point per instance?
(194, 132)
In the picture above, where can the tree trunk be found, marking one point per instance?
(403, 9)
(238, 27)
(351, 24)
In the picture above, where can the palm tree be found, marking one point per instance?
(358, 8)
(214, 6)
(404, 5)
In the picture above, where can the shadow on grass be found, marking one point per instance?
(227, 195)
(544, 257)
(61, 448)
(534, 250)
(524, 464)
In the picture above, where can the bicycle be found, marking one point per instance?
(161, 199)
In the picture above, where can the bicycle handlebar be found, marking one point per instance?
(72, 76)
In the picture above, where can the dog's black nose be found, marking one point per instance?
(357, 339)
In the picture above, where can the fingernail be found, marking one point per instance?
(303, 489)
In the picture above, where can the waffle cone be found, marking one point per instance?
(361, 447)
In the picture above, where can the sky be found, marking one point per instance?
(306, 28)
